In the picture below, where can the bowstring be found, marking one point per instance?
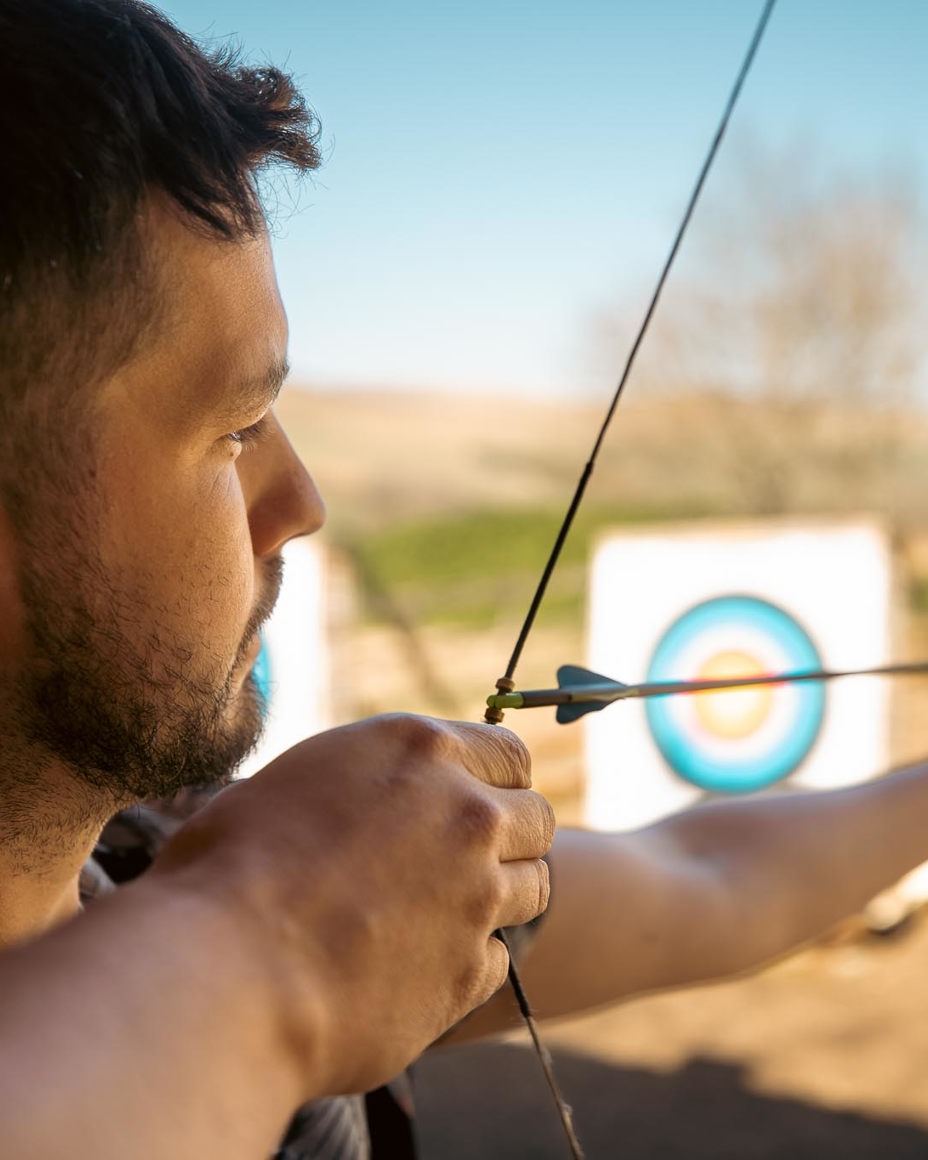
(564, 1110)
(495, 716)
(584, 479)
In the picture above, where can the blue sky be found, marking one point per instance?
(499, 172)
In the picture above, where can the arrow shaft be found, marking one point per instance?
(606, 693)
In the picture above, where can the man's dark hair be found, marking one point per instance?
(104, 103)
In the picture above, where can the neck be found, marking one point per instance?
(48, 828)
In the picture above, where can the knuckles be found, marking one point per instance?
(488, 752)
(507, 758)
(422, 738)
(479, 821)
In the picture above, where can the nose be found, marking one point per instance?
(283, 501)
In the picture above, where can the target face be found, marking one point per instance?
(745, 739)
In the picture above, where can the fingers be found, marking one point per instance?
(529, 825)
(497, 968)
(526, 892)
(493, 754)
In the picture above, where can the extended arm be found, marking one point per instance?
(713, 891)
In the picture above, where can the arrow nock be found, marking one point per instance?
(496, 702)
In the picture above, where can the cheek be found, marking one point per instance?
(231, 540)
(182, 542)
(215, 556)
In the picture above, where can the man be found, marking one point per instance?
(311, 931)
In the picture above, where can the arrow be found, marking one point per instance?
(581, 691)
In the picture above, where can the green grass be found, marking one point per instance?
(473, 569)
(918, 595)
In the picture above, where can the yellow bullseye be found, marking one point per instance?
(735, 713)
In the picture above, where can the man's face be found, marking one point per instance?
(144, 585)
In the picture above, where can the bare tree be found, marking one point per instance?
(798, 317)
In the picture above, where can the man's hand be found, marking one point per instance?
(371, 865)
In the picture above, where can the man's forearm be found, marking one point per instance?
(795, 864)
(146, 1028)
(727, 886)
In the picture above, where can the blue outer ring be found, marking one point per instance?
(737, 774)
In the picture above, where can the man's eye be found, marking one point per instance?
(248, 435)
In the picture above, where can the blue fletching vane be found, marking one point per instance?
(569, 676)
(567, 713)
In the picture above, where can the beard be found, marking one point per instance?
(133, 709)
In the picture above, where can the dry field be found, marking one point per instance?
(381, 457)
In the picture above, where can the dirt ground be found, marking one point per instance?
(820, 1056)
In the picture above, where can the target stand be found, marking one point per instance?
(706, 601)
(293, 669)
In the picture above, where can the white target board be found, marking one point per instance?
(294, 667)
(704, 601)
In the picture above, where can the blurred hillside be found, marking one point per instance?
(451, 502)
(385, 458)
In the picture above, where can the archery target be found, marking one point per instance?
(293, 668)
(704, 600)
(743, 739)
(263, 675)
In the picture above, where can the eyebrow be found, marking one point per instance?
(257, 390)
